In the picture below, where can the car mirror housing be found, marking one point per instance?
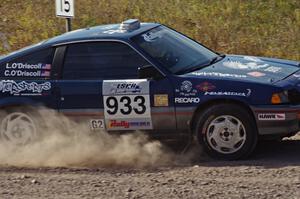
(149, 72)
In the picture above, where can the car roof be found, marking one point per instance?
(109, 31)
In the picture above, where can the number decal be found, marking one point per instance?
(141, 104)
(126, 105)
(97, 124)
(112, 105)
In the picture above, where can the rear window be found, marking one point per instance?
(36, 65)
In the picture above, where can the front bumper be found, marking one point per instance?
(276, 119)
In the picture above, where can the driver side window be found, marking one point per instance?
(101, 60)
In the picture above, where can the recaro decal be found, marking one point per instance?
(187, 100)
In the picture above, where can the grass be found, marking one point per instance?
(254, 27)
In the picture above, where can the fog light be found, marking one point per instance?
(280, 98)
(298, 114)
(276, 99)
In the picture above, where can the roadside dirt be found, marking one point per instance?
(273, 172)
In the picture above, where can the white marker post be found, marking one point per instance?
(65, 9)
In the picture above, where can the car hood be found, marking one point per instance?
(249, 68)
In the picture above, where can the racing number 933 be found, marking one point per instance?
(126, 104)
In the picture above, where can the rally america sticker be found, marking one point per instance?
(127, 104)
(271, 116)
(119, 124)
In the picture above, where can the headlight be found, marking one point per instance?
(280, 98)
(294, 96)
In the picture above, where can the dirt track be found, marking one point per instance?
(273, 172)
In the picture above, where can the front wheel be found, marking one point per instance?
(226, 131)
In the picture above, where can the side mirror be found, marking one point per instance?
(149, 72)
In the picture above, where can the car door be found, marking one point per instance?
(99, 84)
(26, 79)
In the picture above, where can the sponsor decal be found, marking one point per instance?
(255, 64)
(256, 74)
(96, 124)
(186, 89)
(273, 69)
(229, 93)
(125, 124)
(187, 100)
(121, 87)
(108, 27)
(205, 86)
(297, 75)
(217, 74)
(186, 86)
(161, 100)
(23, 88)
(115, 123)
(254, 59)
(110, 32)
(151, 36)
(271, 116)
(244, 66)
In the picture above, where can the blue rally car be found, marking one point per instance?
(146, 76)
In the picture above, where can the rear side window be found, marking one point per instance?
(36, 65)
(101, 60)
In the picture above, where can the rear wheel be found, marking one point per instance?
(226, 131)
(19, 126)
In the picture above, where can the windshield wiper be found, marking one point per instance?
(211, 61)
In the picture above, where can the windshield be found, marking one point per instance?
(173, 50)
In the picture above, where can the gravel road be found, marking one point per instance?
(273, 172)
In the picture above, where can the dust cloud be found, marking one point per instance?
(68, 144)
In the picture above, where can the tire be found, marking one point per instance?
(19, 126)
(226, 131)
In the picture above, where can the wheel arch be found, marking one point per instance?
(213, 102)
